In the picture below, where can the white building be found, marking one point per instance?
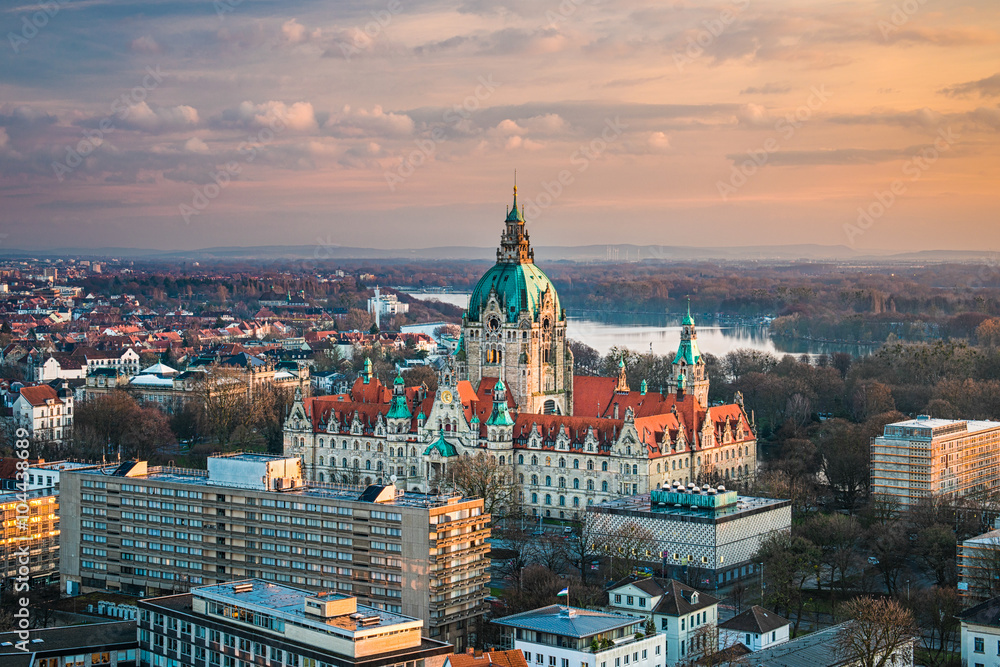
(45, 475)
(45, 413)
(924, 457)
(978, 561)
(386, 304)
(685, 616)
(756, 628)
(558, 636)
(981, 634)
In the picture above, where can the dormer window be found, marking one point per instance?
(694, 597)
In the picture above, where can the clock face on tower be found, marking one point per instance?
(493, 324)
(446, 396)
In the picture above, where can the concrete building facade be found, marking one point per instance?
(166, 530)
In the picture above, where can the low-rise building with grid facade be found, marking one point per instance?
(29, 550)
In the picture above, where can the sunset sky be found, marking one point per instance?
(399, 123)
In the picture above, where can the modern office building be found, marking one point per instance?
(150, 531)
(924, 457)
(265, 623)
(558, 636)
(94, 644)
(30, 531)
(686, 617)
(704, 536)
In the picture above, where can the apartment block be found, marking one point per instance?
(265, 623)
(924, 457)
(30, 536)
(150, 531)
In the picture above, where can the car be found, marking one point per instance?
(872, 560)
(538, 532)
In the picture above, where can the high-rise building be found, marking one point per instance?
(30, 536)
(154, 531)
(265, 623)
(924, 457)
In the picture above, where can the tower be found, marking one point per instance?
(688, 364)
(515, 329)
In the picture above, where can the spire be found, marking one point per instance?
(366, 373)
(688, 320)
(622, 386)
(500, 416)
(515, 215)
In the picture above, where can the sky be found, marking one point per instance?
(182, 124)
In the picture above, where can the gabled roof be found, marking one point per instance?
(756, 619)
(40, 395)
(676, 597)
(984, 613)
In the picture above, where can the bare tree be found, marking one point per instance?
(482, 476)
(629, 547)
(877, 631)
(707, 651)
(584, 547)
(551, 552)
(937, 609)
(979, 567)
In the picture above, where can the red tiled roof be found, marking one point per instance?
(39, 395)
(513, 658)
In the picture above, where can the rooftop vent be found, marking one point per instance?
(243, 588)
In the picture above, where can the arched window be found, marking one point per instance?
(413, 471)
(576, 483)
(378, 466)
(379, 447)
(576, 501)
(635, 469)
(534, 480)
(321, 477)
(548, 480)
(548, 460)
(520, 459)
(357, 464)
(548, 499)
(562, 462)
(604, 466)
(345, 444)
(604, 486)
(562, 482)
(657, 467)
(344, 463)
(534, 460)
(503, 461)
(590, 485)
(520, 478)
(562, 501)
(576, 464)
(321, 442)
(590, 465)
(321, 460)
(534, 498)
(368, 465)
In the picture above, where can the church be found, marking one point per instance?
(509, 391)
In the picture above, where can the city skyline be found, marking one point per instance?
(400, 124)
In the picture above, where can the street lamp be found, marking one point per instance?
(761, 583)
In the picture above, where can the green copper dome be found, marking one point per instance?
(518, 286)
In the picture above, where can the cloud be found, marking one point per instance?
(836, 156)
(145, 44)
(350, 122)
(767, 89)
(658, 141)
(752, 114)
(272, 114)
(943, 36)
(504, 42)
(143, 117)
(920, 118)
(293, 32)
(196, 145)
(24, 116)
(988, 87)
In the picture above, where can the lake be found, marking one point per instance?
(647, 332)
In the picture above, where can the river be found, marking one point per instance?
(652, 332)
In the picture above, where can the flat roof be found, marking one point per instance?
(815, 648)
(86, 638)
(288, 603)
(642, 503)
(318, 490)
(569, 621)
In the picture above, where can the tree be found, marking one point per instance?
(482, 476)
(629, 547)
(845, 456)
(586, 360)
(877, 631)
(421, 375)
(789, 561)
(705, 650)
(890, 544)
(550, 551)
(583, 547)
(979, 562)
(937, 609)
(838, 537)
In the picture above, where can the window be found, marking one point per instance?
(618, 599)
(642, 602)
(631, 600)
(980, 645)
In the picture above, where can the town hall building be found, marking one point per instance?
(566, 441)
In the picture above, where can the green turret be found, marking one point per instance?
(500, 415)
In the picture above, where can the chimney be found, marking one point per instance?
(470, 651)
